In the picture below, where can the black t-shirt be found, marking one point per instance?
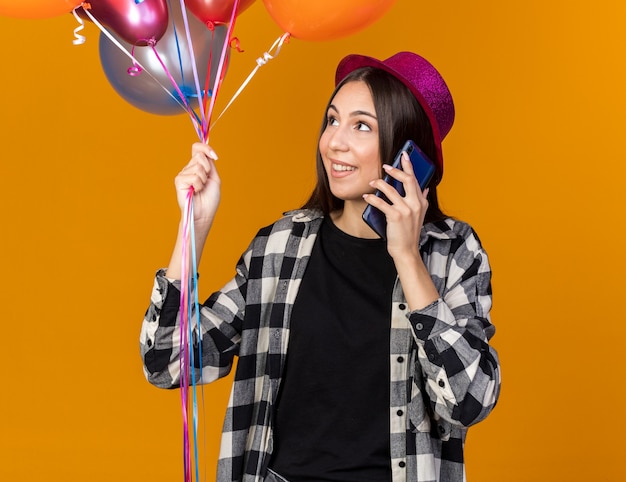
(332, 413)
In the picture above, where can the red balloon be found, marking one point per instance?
(216, 11)
(136, 23)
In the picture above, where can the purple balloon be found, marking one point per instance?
(135, 22)
(146, 93)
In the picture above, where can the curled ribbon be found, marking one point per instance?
(78, 38)
(236, 44)
(136, 69)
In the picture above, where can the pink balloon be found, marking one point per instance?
(215, 11)
(134, 22)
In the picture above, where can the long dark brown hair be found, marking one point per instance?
(400, 117)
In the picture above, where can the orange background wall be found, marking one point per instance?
(535, 162)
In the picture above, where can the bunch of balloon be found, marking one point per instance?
(37, 8)
(169, 65)
(325, 19)
(166, 57)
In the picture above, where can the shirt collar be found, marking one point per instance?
(304, 215)
(437, 230)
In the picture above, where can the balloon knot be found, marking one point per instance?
(144, 42)
(134, 71)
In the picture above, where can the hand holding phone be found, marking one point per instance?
(423, 168)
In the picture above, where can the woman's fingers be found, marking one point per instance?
(204, 149)
(199, 170)
(404, 207)
(406, 175)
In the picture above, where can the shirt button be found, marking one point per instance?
(419, 326)
(402, 306)
(442, 429)
(400, 413)
(400, 359)
(149, 343)
(442, 383)
(402, 464)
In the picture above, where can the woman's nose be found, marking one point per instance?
(338, 141)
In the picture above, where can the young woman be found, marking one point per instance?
(359, 359)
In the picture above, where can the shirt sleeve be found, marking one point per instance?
(221, 318)
(460, 368)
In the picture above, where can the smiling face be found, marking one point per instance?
(398, 116)
(349, 145)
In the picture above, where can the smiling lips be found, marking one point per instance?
(342, 167)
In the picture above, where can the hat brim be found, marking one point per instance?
(353, 62)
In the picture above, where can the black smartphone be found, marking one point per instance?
(424, 170)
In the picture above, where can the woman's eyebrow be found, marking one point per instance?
(355, 113)
(363, 112)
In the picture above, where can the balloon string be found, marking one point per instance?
(207, 81)
(136, 63)
(220, 69)
(78, 39)
(177, 41)
(189, 307)
(186, 339)
(194, 289)
(128, 54)
(197, 317)
(193, 63)
(181, 66)
(183, 97)
(261, 61)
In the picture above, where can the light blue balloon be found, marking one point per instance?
(146, 92)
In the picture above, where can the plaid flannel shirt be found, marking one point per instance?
(444, 374)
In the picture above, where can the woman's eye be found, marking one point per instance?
(332, 121)
(362, 126)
